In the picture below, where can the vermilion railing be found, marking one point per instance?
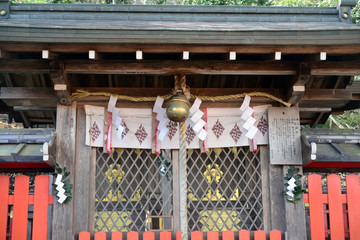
(196, 235)
(20, 201)
(342, 216)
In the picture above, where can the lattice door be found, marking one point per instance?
(224, 190)
(132, 186)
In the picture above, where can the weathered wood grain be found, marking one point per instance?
(62, 222)
(265, 188)
(178, 67)
(82, 177)
(277, 202)
(295, 215)
(58, 76)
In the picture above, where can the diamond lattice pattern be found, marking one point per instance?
(131, 186)
(224, 190)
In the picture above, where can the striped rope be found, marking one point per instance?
(183, 184)
(82, 94)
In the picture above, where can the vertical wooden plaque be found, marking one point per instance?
(284, 136)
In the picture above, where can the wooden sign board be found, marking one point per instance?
(284, 136)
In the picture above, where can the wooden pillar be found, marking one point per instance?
(82, 177)
(277, 200)
(265, 188)
(295, 215)
(62, 218)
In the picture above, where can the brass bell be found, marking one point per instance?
(178, 108)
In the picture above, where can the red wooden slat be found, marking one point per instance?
(275, 235)
(335, 207)
(20, 213)
(31, 200)
(84, 236)
(116, 235)
(132, 236)
(259, 235)
(148, 236)
(4, 192)
(40, 207)
(244, 235)
(228, 235)
(353, 196)
(100, 236)
(196, 235)
(316, 207)
(165, 235)
(212, 235)
(178, 235)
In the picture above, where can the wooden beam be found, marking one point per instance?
(26, 122)
(41, 120)
(22, 96)
(325, 98)
(336, 68)
(321, 118)
(26, 93)
(61, 82)
(34, 108)
(8, 80)
(178, 67)
(24, 66)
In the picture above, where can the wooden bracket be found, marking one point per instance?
(61, 82)
(297, 89)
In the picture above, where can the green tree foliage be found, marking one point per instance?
(229, 2)
(355, 14)
(305, 3)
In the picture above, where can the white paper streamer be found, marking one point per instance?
(247, 113)
(195, 106)
(197, 116)
(158, 104)
(245, 103)
(112, 103)
(199, 125)
(59, 187)
(202, 134)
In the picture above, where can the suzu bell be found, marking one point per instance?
(178, 108)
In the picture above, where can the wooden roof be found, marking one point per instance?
(93, 47)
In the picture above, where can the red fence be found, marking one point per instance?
(196, 235)
(337, 220)
(15, 227)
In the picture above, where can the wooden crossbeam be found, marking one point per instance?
(24, 66)
(325, 98)
(335, 68)
(26, 93)
(28, 96)
(324, 68)
(178, 67)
